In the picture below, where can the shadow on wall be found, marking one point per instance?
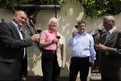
(33, 59)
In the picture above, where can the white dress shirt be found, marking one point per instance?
(82, 46)
(19, 31)
(108, 33)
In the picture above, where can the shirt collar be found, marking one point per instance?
(50, 31)
(110, 31)
(83, 33)
(20, 29)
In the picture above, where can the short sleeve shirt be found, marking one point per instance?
(48, 36)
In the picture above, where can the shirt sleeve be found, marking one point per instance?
(43, 36)
(92, 50)
(70, 41)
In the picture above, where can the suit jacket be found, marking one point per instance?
(110, 61)
(12, 50)
(61, 52)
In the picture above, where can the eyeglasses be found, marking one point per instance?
(53, 23)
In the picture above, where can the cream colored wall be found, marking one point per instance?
(71, 12)
(5, 14)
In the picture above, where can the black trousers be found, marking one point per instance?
(103, 78)
(79, 64)
(19, 79)
(50, 68)
(8, 80)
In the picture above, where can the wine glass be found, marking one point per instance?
(58, 37)
(39, 30)
(99, 30)
(76, 26)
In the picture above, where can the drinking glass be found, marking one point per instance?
(58, 37)
(39, 30)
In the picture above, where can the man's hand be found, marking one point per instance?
(101, 47)
(92, 64)
(35, 37)
(74, 33)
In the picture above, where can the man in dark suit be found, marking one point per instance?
(110, 47)
(13, 47)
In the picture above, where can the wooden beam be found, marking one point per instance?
(40, 7)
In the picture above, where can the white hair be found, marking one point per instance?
(53, 19)
(110, 18)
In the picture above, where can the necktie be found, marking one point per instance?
(107, 35)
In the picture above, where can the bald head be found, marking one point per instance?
(18, 12)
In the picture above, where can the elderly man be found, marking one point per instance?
(110, 48)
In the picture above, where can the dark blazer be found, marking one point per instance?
(110, 61)
(11, 51)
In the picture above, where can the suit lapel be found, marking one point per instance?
(111, 36)
(103, 38)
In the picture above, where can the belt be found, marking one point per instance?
(44, 50)
(80, 57)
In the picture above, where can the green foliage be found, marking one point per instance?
(97, 8)
(9, 4)
(55, 2)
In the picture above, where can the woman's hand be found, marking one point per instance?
(55, 40)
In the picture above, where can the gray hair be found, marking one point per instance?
(16, 12)
(53, 19)
(111, 18)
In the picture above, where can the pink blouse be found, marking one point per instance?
(47, 36)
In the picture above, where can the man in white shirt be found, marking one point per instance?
(82, 49)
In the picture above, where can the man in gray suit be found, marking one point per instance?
(13, 47)
(110, 48)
